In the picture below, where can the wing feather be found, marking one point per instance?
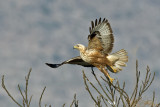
(92, 23)
(99, 21)
(96, 22)
(76, 60)
(101, 36)
(90, 29)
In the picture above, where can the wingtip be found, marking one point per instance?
(53, 65)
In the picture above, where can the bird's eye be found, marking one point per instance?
(77, 45)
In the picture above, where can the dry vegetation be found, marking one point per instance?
(114, 95)
(109, 95)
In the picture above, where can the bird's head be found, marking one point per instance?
(80, 47)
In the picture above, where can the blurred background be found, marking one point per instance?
(33, 32)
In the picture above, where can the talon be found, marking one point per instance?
(111, 79)
(107, 74)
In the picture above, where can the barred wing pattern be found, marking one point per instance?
(101, 37)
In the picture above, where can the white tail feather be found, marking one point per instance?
(118, 60)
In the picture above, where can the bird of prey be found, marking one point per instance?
(98, 53)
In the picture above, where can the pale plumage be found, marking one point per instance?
(97, 54)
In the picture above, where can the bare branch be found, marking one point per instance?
(22, 95)
(40, 99)
(87, 88)
(4, 87)
(26, 90)
(75, 101)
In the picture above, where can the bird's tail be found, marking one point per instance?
(118, 60)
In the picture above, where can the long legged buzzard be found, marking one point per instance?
(97, 54)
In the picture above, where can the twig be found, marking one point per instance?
(99, 100)
(153, 99)
(26, 90)
(134, 94)
(72, 102)
(92, 71)
(40, 99)
(158, 105)
(62, 105)
(30, 100)
(4, 87)
(102, 88)
(22, 95)
(75, 102)
(87, 88)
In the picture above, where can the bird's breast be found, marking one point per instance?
(85, 57)
(91, 56)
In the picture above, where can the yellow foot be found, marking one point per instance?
(113, 70)
(111, 79)
(107, 74)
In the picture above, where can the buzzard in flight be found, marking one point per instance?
(97, 54)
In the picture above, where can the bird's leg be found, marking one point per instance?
(107, 74)
(114, 70)
(92, 71)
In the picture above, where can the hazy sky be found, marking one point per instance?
(33, 32)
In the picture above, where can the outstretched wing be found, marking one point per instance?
(76, 60)
(101, 37)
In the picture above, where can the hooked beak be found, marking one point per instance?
(75, 47)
